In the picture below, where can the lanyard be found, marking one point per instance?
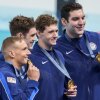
(87, 44)
(61, 67)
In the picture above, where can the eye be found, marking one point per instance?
(75, 18)
(33, 35)
(53, 31)
(25, 48)
(83, 17)
(56, 30)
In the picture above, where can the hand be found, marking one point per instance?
(72, 92)
(33, 72)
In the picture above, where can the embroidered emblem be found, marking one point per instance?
(44, 62)
(93, 46)
(11, 80)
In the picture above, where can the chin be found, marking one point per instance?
(80, 33)
(25, 61)
(53, 44)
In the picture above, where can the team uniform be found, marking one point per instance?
(1, 57)
(82, 67)
(19, 89)
(51, 82)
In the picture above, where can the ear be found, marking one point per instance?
(64, 21)
(20, 35)
(38, 34)
(11, 54)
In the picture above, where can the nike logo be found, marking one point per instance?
(44, 62)
(69, 52)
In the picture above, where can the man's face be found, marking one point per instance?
(21, 53)
(50, 35)
(75, 24)
(31, 37)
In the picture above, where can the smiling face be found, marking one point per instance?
(20, 53)
(30, 37)
(15, 50)
(49, 36)
(75, 24)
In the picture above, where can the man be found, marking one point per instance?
(51, 79)
(15, 51)
(79, 48)
(22, 26)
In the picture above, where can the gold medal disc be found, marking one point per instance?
(98, 57)
(70, 84)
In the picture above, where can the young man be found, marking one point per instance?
(44, 56)
(15, 51)
(22, 26)
(79, 48)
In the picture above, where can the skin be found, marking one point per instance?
(48, 37)
(30, 37)
(75, 24)
(19, 54)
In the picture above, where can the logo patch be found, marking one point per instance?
(11, 80)
(93, 46)
(68, 52)
(44, 62)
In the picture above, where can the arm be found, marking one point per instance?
(22, 89)
(28, 91)
(4, 89)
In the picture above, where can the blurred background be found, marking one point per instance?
(33, 8)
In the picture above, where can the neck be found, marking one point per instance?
(44, 46)
(72, 36)
(15, 65)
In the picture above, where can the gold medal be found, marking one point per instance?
(98, 57)
(28, 61)
(70, 84)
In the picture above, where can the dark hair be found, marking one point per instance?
(21, 24)
(67, 8)
(44, 20)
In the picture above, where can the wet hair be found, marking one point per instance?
(44, 20)
(21, 24)
(68, 7)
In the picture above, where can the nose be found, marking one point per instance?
(28, 52)
(81, 21)
(56, 33)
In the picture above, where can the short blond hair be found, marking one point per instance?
(9, 42)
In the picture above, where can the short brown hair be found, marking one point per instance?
(44, 20)
(21, 24)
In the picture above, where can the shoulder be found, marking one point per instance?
(92, 34)
(93, 37)
(6, 70)
(1, 57)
